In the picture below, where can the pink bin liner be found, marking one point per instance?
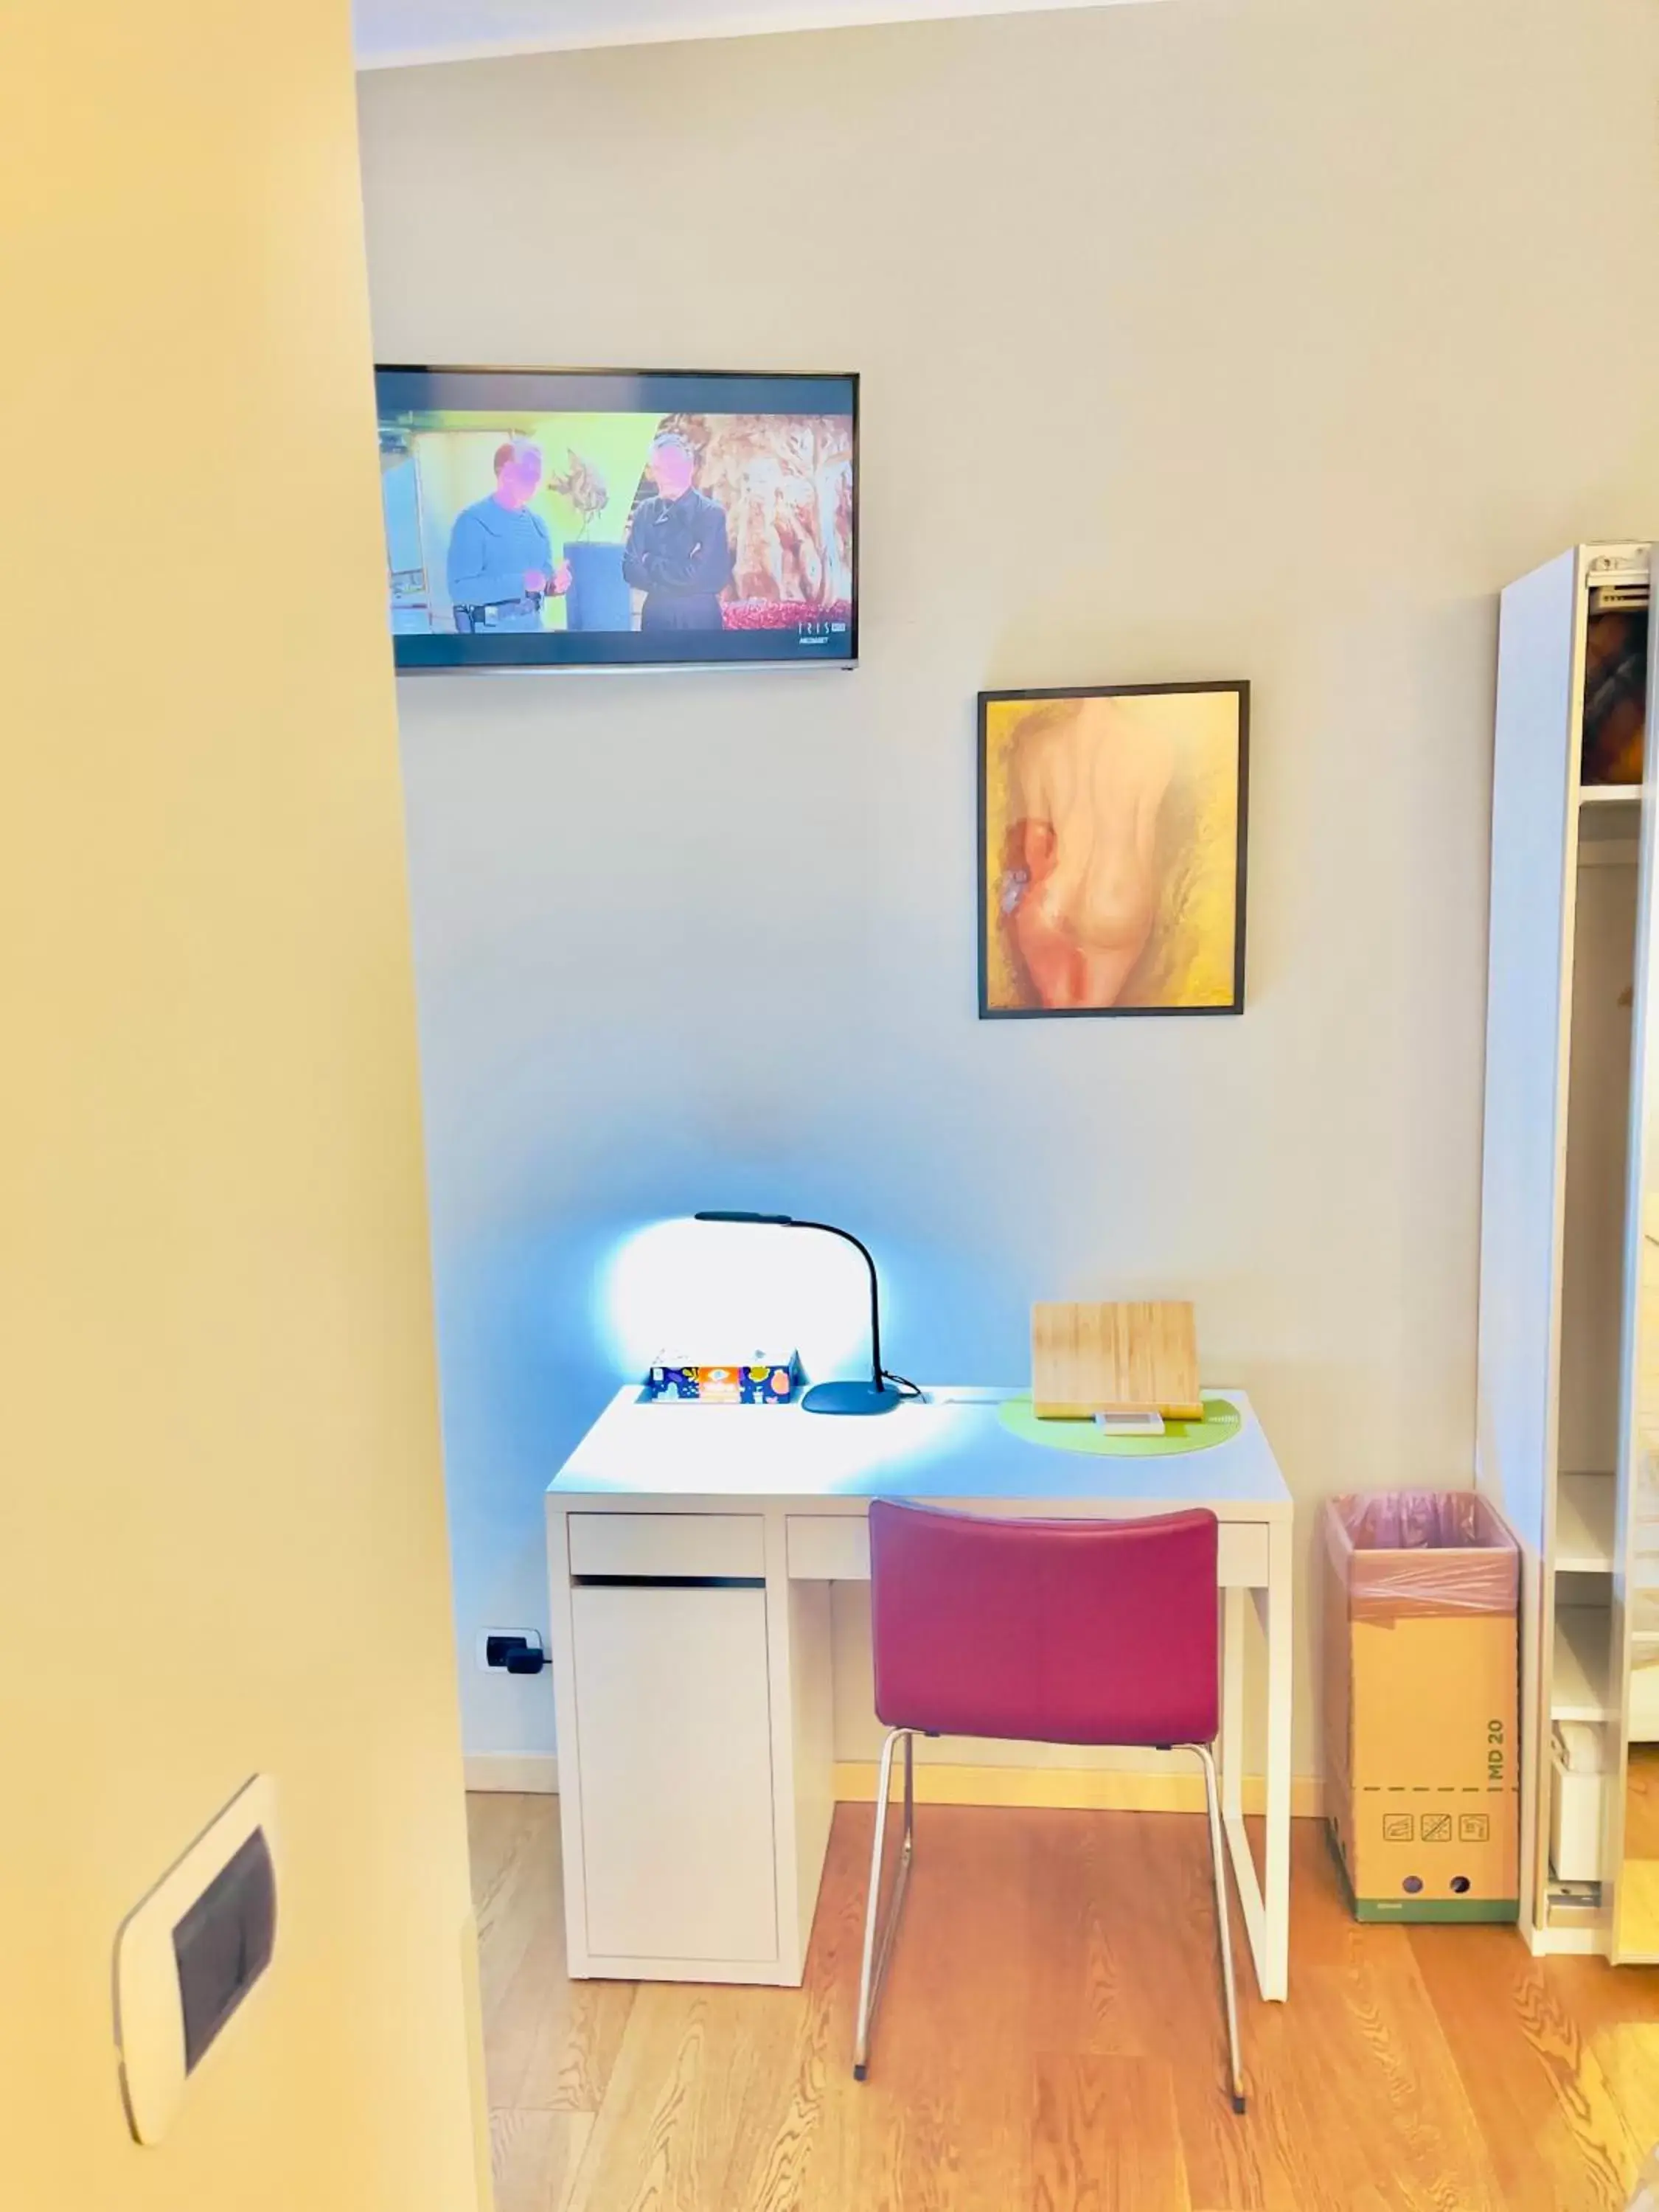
(1408, 1553)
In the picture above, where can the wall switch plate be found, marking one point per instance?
(532, 1637)
(189, 1953)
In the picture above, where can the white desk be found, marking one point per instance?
(691, 1549)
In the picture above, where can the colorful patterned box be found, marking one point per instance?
(757, 1380)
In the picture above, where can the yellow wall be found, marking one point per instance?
(221, 1536)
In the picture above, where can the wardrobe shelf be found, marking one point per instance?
(1583, 1524)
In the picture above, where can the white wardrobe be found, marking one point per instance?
(1569, 1320)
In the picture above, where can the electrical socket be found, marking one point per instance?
(532, 1637)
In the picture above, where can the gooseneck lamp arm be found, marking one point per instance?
(877, 1395)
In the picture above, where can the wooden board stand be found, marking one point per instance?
(1138, 1358)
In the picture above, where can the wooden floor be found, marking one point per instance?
(1639, 1881)
(1642, 1803)
(1050, 2041)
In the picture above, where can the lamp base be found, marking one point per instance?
(850, 1398)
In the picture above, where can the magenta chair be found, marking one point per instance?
(1049, 1632)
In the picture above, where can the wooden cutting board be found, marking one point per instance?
(1130, 1358)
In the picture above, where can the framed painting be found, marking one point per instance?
(1111, 850)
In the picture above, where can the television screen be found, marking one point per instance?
(599, 520)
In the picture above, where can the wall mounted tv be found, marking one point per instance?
(543, 518)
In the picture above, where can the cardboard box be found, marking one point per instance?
(1423, 1792)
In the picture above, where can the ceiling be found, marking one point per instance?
(397, 34)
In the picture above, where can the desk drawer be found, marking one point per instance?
(828, 1547)
(668, 1546)
(1242, 1555)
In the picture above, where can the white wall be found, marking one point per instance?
(1199, 340)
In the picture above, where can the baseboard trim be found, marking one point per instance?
(529, 1774)
(1568, 1942)
(1076, 1789)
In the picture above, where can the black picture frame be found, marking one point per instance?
(1036, 696)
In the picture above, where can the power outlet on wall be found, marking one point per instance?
(532, 1637)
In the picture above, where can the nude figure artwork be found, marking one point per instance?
(1113, 857)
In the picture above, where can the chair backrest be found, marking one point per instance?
(1050, 1632)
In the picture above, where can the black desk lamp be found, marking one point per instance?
(879, 1395)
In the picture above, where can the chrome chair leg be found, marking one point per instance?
(875, 1953)
(1218, 1863)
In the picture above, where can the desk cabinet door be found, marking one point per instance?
(674, 1728)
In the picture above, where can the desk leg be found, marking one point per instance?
(1275, 1980)
(1265, 1902)
(1232, 1704)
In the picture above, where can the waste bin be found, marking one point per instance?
(1422, 1774)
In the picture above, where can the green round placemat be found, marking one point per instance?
(1221, 1420)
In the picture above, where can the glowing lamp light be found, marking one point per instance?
(877, 1395)
(716, 1290)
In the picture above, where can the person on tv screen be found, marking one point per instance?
(501, 565)
(679, 553)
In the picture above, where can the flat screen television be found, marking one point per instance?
(559, 519)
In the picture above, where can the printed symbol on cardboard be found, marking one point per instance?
(1398, 1827)
(1474, 1827)
(1437, 1827)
